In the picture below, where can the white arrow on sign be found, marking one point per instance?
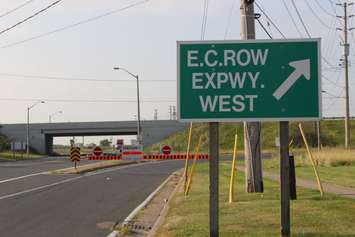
(302, 68)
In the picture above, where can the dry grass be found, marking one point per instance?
(335, 157)
(328, 157)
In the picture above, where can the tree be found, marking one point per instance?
(4, 143)
(105, 143)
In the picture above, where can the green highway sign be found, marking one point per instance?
(254, 80)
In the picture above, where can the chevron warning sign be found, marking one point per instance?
(75, 154)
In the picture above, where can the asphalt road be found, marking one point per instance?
(12, 169)
(72, 205)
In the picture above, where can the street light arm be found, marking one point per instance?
(38, 102)
(123, 69)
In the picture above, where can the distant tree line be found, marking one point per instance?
(5, 143)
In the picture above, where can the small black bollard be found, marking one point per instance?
(293, 190)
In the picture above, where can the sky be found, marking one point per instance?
(141, 39)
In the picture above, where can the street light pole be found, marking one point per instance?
(139, 135)
(139, 114)
(28, 128)
(28, 133)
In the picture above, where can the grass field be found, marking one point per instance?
(18, 156)
(332, 135)
(341, 175)
(256, 214)
(334, 165)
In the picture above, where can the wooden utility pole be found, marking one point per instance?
(214, 170)
(346, 66)
(252, 130)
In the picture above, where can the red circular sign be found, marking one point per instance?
(166, 150)
(97, 151)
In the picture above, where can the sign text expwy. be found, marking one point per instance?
(220, 80)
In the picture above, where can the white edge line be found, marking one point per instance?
(113, 234)
(141, 206)
(69, 180)
(21, 177)
(39, 188)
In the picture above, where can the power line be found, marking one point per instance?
(335, 84)
(74, 79)
(300, 18)
(263, 27)
(317, 17)
(30, 17)
(324, 10)
(204, 19)
(305, 28)
(332, 2)
(332, 103)
(74, 25)
(229, 19)
(85, 101)
(270, 20)
(292, 19)
(16, 8)
(326, 78)
(332, 44)
(332, 95)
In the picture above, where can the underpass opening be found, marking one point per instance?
(59, 145)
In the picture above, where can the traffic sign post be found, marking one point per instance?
(166, 150)
(214, 179)
(259, 80)
(97, 151)
(75, 155)
(285, 179)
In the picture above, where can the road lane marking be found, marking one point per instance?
(39, 188)
(26, 176)
(71, 180)
(20, 177)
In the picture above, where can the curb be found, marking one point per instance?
(89, 169)
(130, 217)
(164, 211)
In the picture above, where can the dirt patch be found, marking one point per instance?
(107, 225)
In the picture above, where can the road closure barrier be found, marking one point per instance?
(104, 157)
(151, 157)
(176, 157)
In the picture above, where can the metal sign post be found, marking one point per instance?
(214, 177)
(285, 179)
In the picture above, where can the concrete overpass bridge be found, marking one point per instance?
(42, 134)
